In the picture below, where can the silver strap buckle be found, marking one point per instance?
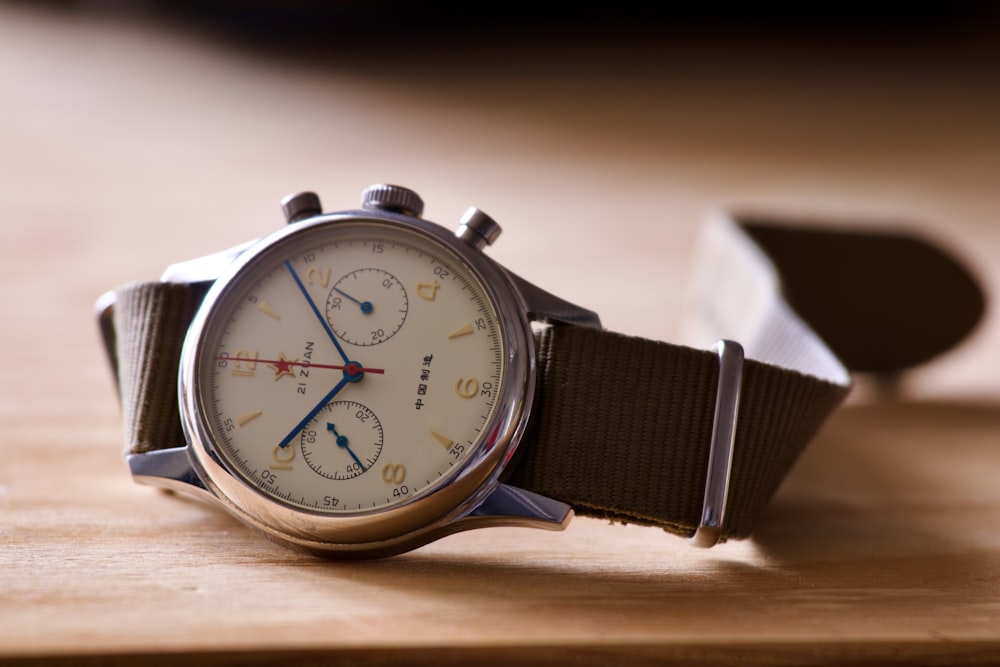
(720, 454)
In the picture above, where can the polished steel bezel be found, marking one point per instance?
(399, 527)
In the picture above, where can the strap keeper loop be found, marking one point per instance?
(720, 455)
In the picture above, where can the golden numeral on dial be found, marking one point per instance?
(313, 274)
(428, 291)
(393, 473)
(282, 457)
(243, 364)
(466, 387)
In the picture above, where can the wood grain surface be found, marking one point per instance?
(130, 142)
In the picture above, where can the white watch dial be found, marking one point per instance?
(350, 368)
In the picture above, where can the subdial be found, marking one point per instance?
(367, 307)
(342, 441)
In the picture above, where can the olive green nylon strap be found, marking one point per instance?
(150, 320)
(624, 426)
(882, 301)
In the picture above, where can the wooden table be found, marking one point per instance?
(126, 145)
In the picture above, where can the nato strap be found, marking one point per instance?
(150, 320)
(623, 425)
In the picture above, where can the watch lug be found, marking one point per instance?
(203, 269)
(505, 506)
(509, 505)
(168, 469)
(547, 306)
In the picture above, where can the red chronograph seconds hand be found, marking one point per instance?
(351, 367)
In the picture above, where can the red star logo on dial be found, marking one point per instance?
(283, 366)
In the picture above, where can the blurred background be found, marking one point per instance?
(142, 133)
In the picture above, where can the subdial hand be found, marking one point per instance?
(342, 442)
(366, 306)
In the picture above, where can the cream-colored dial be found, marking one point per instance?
(356, 422)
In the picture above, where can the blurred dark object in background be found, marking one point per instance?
(404, 25)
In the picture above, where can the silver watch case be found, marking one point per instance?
(472, 497)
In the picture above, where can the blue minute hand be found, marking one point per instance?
(319, 315)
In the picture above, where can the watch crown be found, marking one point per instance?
(392, 198)
(301, 205)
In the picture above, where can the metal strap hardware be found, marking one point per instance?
(720, 454)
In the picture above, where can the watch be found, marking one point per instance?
(360, 383)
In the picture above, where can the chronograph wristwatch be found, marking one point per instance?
(360, 383)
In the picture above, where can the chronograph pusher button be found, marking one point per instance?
(478, 229)
(300, 206)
